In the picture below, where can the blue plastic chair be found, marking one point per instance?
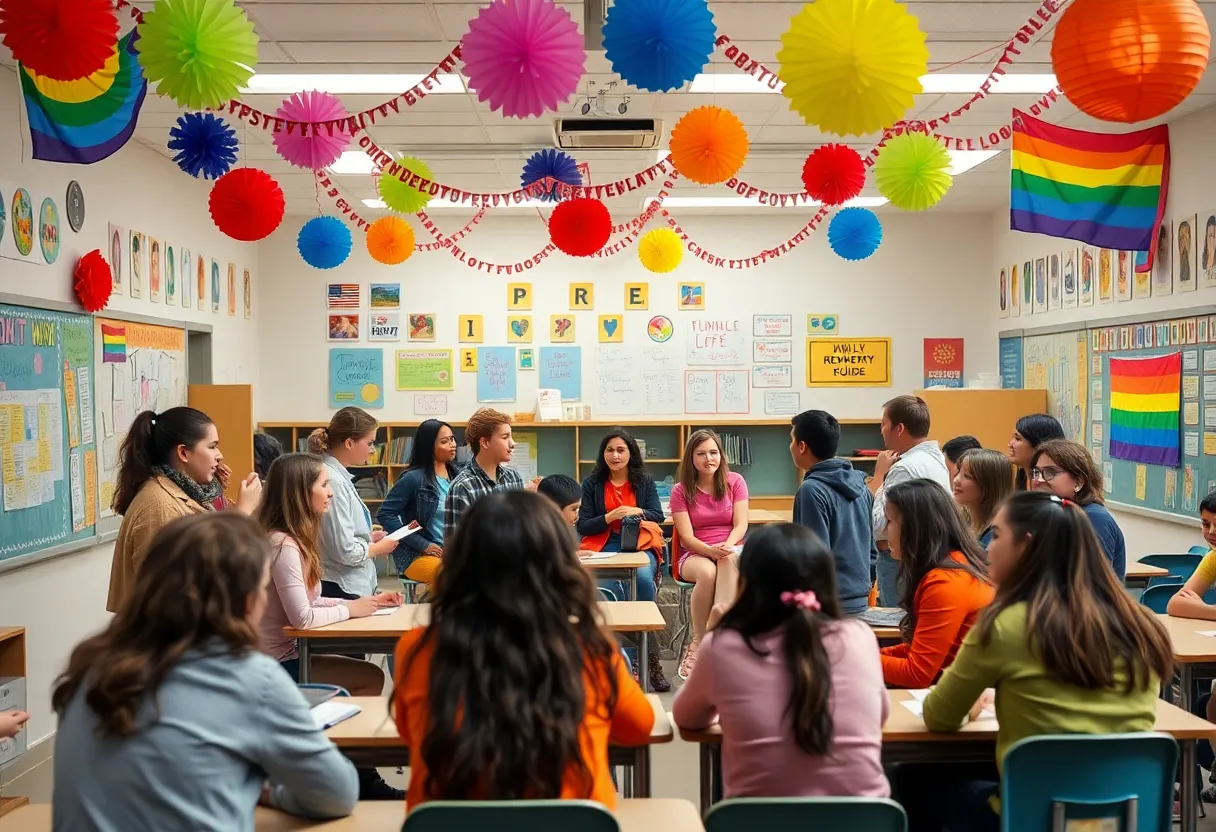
(1157, 598)
(1198, 550)
(1050, 778)
(1180, 566)
(861, 813)
(510, 816)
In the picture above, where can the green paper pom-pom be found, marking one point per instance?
(198, 52)
(399, 196)
(913, 171)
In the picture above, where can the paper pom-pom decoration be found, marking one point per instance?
(525, 57)
(324, 242)
(658, 45)
(580, 227)
(852, 67)
(660, 250)
(708, 145)
(205, 145)
(247, 204)
(1129, 60)
(311, 145)
(390, 240)
(198, 52)
(94, 281)
(834, 174)
(855, 233)
(64, 40)
(397, 195)
(913, 171)
(552, 164)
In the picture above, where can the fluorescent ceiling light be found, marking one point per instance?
(353, 163)
(744, 202)
(347, 83)
(936, 83)
(962, 161)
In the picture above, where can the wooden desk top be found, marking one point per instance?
(621, 560)
(1136, 569)
(373, 728)
(387, 816)
(1188, 647)
(10, 632)
(619, 616)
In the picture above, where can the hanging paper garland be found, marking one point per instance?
(855, 233)
(551, 164)
(399, 196)
(580, 227)
(247, 204)
(708, 145)
(318, 146)
(660, 250)
(324, 242)
(390, 240)
(834, 174)
(198, 52)
(658, 45)
(94, 281)
(64, 40)
(913, 171)
(205, 144)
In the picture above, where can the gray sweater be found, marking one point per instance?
(226, 725)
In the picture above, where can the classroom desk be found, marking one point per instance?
(387, 816)
(905, 739)
(370, 739)
(1191, 651)
(1139, 574)
(622, 566)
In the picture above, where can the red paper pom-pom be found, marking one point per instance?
(60, 39)
(580, 227)
(247, 204)
(834, 174)
(94, 281)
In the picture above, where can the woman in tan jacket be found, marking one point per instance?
(168, 469)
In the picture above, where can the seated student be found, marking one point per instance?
(983, 481)
(488, 433)
(514, 690)
(1188, 602)
(1066, 469)
(1031, 432)
(709, 512)
(943, 578)
(954, 449)
(565, 493)
(1066, 649)
(171, 718)
(418, 496)
(795, 685)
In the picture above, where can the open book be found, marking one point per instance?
(328, 714)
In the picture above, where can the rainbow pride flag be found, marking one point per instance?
(1145, 397)
(113, 344)
(1105, 189)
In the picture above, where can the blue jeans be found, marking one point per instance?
(644, 581)
(888, 580)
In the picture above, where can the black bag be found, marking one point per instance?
(631, 527)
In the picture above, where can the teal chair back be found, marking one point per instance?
(1048, 779)
(1198, 550)
(1180, 566)
(1157, 598)
(510, 816)
(864, 814)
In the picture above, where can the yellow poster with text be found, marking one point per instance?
(848, 362)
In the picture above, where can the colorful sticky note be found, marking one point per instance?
(611, 329)
(468, 360)
(637, 295)
(519, 296)
(561, 329)
(519, 329)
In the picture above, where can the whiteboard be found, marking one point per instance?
(716, 342)
(662, 393)
(716, 391)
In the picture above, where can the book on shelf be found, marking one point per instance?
(399, 450)
(738, 449)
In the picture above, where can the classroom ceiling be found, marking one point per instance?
(469, 147)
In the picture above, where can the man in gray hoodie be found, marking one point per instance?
(835, 504)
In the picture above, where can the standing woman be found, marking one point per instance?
(1029, 433)
(709, 511)
(984, 480)
(348, 544)
(418, 497)
(168, 468)
(1067, 470)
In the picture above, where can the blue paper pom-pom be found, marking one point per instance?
(324, 242)
(554, 163)
(659, 45)
(855, 233)
(206, 145)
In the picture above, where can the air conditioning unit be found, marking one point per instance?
(607, 133)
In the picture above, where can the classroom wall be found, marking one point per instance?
(61, 601)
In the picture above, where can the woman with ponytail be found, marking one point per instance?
(169, 467)
(796, 686)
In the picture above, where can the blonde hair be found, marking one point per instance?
(287, 507)
(481, 425)
(687, 472)
(347, 423)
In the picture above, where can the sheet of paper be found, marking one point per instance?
(76, 483)
(1141, 481)
(917, 707)
(90, 488)
(1190, 444)
(84, 391)
(600, 556)
(16, 477)
(385, 611)
(50, 427)
(404, 532)
(328, 714)
(1208, 633)
(69, 398)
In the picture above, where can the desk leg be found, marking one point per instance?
(715, 754)
(305, 660)
(631, 592)
(1186, 681)
(707, 776)
(644, 661)
(1190, 788)
(641, 771)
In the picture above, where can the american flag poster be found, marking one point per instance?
(344, 296)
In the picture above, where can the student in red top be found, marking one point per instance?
(943, 579)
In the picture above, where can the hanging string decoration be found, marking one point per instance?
(247, 204)
(658, 45)
(312, 145)
(94, 281)
(660, 250)
(834, 174)
(390, 240)
(198, 52)
(708, 145)
(551, 164)
(324, 242)
(913, 171)
(206, 146)
(855, 233)
(63, 40)
(580, 227)
(397, 194)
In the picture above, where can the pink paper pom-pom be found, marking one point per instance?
(306, 146)
(524, 56)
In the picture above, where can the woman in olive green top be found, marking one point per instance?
(1062, 644)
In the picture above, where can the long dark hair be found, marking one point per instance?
(931, 527)
(1079, 621)
(153, 440)
(992, 472)
(783, 558)
(1036, 429)
(422, 455)
(638, 478)
(192, 592)
(513, 626)
(687, 474)
(286, 507)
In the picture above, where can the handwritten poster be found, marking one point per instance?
(496, 374)
(715, 342)
(84, 391)
(561, 368)
(76, 484)
(772, 326)
(424, 370)
(430, 404)
(772, 375)
(662, 393)
(721, 391)
(356, 377)
(772, 351)
(782, 404)
(69, 397)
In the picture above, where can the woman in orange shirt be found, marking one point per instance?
(514, 690)
(943, 579)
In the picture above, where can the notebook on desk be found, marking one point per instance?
(330, 713)
(882, 616)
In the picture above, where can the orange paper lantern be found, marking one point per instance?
(1130, 60)
(390, 240)
(708, 145)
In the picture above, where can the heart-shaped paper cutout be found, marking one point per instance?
(610, 327)
(519, 328)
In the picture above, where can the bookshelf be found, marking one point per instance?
(13, 666)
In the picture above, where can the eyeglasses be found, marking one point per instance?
(1045, 474)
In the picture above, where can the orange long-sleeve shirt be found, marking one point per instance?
(948, 601)
(629, 724)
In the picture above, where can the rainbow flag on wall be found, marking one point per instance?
(1145, 396)
(113, 344)
(1105, 189)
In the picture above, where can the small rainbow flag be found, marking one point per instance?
(1145, 396)
(113, 344)
(1105, 189)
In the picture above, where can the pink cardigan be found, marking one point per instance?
(290, 604)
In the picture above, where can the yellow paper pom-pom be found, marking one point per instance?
(913, 171)
(708, 145)
(660, 250)
(853, 67)
(390, 240)
(397, 195)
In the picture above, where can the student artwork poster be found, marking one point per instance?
(200, 270)
(1028, 287)
(1088, 276)
(232, 289)
(1003, 292)
(1040, 285)
(170, 275)
(118, 244)
(135, 261)
(1015, 291)
(1163, 274)
(154, 259)
(1186, 263)
(215, 285)
(1053, 282)
(1207, 250)
(1106, 286)
(187, 278)
(1068, 278)
(248, 294)
(1124, 268)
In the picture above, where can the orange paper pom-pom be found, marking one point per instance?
(708, 145)
(1130, 60)
(390, 240)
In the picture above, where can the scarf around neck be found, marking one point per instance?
(204, 495)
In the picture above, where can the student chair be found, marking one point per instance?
(682, 637)
(510, 816)
(1049, 780)
(410, 589)
(862, 813)
(1157, 598)
(1181, 567)
(1198, 550)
